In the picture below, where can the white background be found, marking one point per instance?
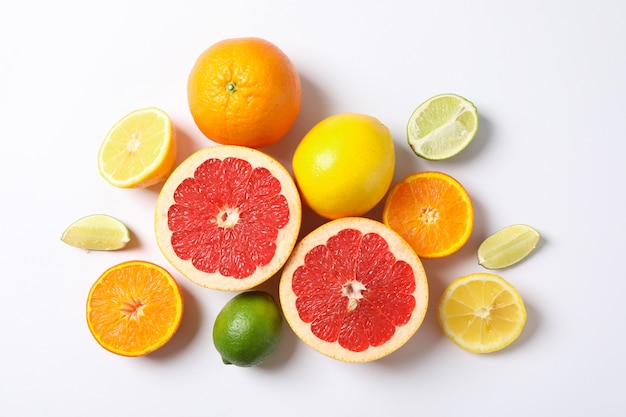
(549, 80)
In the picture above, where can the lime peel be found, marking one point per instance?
(248, 329)
(97, 232)
(442, 126)
(507, 246)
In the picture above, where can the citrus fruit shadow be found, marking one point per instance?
(310, 221)
(134, 242)
(189, 326)
(406, 163)
(185, 146)
(314, 108)
(480, 141)
(428, 336)
(475, 148)
(479, 231)
(531, 326)
(543, 241)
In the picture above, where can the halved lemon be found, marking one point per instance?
(481, 312)
(139, 150)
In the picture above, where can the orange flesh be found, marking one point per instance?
(432, 212)
(134, 308)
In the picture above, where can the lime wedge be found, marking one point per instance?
(97, 232)
(442, 127)
(507, 246)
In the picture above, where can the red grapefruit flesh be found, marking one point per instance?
(354, 290)
(228, 217)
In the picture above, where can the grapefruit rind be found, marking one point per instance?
(402, 252)
(285, 240)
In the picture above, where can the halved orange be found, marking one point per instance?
(134, 308)
(431, 211)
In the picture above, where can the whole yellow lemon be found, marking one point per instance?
(344, 165)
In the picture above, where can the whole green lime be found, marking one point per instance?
(248, 328)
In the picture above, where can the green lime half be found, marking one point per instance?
(507, 246)
(248, 328)
(442, 126)
(97, 232)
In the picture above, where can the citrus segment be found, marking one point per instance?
(432, 211)
(344, 165)
(481, 313)
(354, 290)
(139, 150)
(244, 91)
(248, 329)
(134, 308)
(97, 232)
(228, 217)
(507, 246)
(442, 127)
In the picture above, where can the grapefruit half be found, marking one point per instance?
(228, 217)
(354, 290)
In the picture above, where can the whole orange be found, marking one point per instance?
(244, 91)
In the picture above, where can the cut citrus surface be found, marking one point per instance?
(442, 126)
(432, 211)
(481, 313)
(244, 91)
(507, 246)
(228, 217)
(97, 232)
(354, 290)
(139, 150)
(344, 165)
(248, 329)
(134, 308)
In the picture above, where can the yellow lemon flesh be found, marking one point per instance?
(344, 165)
(481, 312)
(139, 150)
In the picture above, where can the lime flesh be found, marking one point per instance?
(97, 232)
(507, 246)
(442, 127)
